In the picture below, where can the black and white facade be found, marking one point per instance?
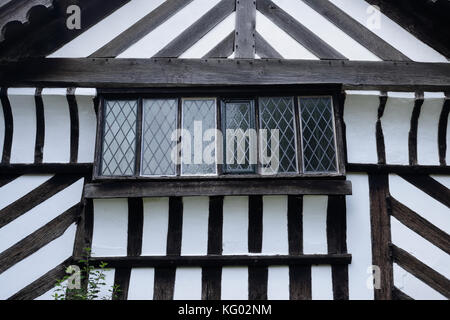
(359, 205)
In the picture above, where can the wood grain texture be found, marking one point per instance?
(211, 283)
(381, 234)
(356, 31)
(223, 49)
(421, 271)
(419, 225)
(35, 197)
(264, 49)
(300, 283)
(257, 283)
(296, 30)
(197, 30)
(244, 44)
(139, 73)
(164, 285)
(140, 29)
(38, 239)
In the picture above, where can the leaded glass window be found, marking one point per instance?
(278, 148)
(238, 125)
(199, 125)
(159, 123)
(119, 138)
(319, 145)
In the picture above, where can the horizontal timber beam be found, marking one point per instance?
(217, 187)
(163, 72)
(50, 168)
(218, 260)
(399, 169)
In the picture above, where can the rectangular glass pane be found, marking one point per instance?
(119, 138)
(277, 113)
(159, 122)
(198, 140)
(319, 146)
(238, 122)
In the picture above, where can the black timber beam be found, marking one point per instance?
(163, 72)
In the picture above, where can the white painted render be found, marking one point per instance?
(141, 284)
(40, 215)
(156, 225)
(195, 226)
(421, 203)
(19, 187)
(36, 265)
(23, 110)
(359, 240)
(110, 235)
(106, 289)
(188, 284)
(428, 128)
(315, 224)
(278, 283)
(234, 283)
(389, 31)
(321, 283)
(87, 125)
(396, 123)
(360, 116)
(57, 125)
(235, 225)
(414, 287)
(275, 233)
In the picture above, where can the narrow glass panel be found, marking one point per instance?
(277, 113)
(198, 137)
(238, 122)
(119, 138)
(159, 122)
(319, 146)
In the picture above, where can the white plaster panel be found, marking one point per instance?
(321, 283)
(211, 39)
(360, 116)
(23, 110)
(389, 31)
(106, 30)
(40, 215)
(285, 45)
(326, 30)
(275, 232)
(359, 241)
(315, 224)
(414, 287)
(141, 284)
(19, 187)
(427, 131)
(36, 265)
(442, 179)
(57, 126)
(195, 226)
(156, 225)
(234, 283)
(423, 250)
(278, 283)
(188, 284)
(105, 290)
(169, 30)
(110, 236)
(421, 203)
(235, 225)
(87, 128)
(396, 123)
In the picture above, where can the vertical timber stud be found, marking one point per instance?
(244, 43)
(255, 224)
(211, 276)
(135, 226)
(9, 126)
(121, 283)
(412, 138)
(40, 127)
(337, 243)
(381, 234)
(74, 124)
(442, 136)
(381, 149)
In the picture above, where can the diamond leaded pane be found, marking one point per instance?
(199, 116)
(277, 113)
(119, 138)
(319, 147)
(159, 122)
(238, 118)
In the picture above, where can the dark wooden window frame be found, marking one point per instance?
(225, 94)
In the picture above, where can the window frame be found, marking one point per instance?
(221, 94)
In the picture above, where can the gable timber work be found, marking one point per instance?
(231, 237)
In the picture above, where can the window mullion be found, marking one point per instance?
(139, 138)
(298, 131)
(179, 128)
